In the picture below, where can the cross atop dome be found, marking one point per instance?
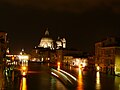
(47, 32)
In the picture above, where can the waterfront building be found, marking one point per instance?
(55, 50)
(75, 58)
(107, 55)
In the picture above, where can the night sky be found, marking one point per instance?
(81, 22)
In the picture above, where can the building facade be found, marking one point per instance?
(47, 42)
(49, 50)
(107, 53)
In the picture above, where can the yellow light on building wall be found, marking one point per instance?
(23, 57)
(117, 65)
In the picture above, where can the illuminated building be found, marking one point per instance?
(107, 55)
(48, 42)
(52, 50)
(48, 49)
(60, 43)
(75, 58)
(76, 61)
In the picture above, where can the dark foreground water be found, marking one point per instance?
(39, 78)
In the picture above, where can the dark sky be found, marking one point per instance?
(81, 22)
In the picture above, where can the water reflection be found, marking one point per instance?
(23, 84)
(86, 80)
(117, 83)
(13, 76)
(80, 80)
(24, 63)
(98, 84)
(58, 66)
(24, 70)
(56, 84)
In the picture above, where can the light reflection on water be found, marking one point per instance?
(117, 83)
(56, 84)
(23, 84)
(24, 69)
(58, 66)
(98, 84)
(80, 80)
(86, 81)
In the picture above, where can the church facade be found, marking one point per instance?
(49, 50)
(47, 42)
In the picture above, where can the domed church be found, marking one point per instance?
(48, 49)
(47, 42)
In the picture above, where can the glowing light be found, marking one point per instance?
(20, 53)
(8, 51)
(80, 66)
(23, 84)
(62, 74)
(83, 64)
(58, 66)
(24, 70)
(13, 58)
(24, 73)
(69, 74)
(54, 74)
(23, 57)
(79, 61)
(98, 68)
(42, 59)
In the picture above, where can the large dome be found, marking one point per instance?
(46, 41)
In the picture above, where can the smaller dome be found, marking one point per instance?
(59, 43)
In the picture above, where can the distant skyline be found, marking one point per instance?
(81, 22)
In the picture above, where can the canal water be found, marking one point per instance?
(39, 78)
(91, 80)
